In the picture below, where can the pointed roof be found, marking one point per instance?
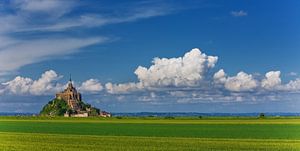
(70, 85)
(70, 80)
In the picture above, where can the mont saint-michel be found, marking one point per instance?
(69, 103)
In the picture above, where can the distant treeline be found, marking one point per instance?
(176, 114)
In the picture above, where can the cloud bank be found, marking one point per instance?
(47, 84)
(191, 78)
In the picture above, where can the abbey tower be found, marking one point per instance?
(71, 96)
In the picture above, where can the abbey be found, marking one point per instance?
(72, 97)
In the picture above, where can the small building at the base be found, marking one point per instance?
(105, 114)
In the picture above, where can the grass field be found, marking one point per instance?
(36, 133)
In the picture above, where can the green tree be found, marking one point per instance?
(261, 115)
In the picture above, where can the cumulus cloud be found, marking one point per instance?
(185, 79)
(123, 88)
(91, 85)
(188, 70)
(272, 80)
(183, 71)
(23, 85)
(293, 85)
(19, 85)
(191, 72)
(188, 79)
(47, 84)
(241, 82)
(44, 84)
(240, 13)
(220, 76)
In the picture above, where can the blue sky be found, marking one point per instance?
(251, 61)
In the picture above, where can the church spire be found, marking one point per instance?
(70, 85)
(70, 78)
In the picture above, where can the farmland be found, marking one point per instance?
(29, 133)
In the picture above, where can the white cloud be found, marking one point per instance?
(220, 76)
(187, 80)
(123, 88)
(241, 82)
(240, 13)
(183, 71)
(272, 80)
(188, 70)
(19, 85)
(293, 85)
(46, 85)
(184, 79)
(91, 85)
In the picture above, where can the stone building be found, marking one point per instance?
(71, 96)
(104, 114)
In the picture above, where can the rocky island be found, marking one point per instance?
(69, 103)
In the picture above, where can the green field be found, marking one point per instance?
(37, 133)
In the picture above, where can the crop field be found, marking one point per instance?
(38, 133)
